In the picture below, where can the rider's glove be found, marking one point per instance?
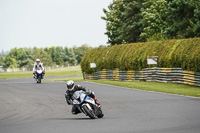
(69, 102)
(90, 93)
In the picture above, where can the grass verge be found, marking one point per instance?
(69, 71)
(66, 79)
(155, 86)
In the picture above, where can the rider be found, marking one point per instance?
(38, 65)
(71, 88)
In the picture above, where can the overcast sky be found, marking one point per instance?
(44, 23)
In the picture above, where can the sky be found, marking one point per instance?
(45, 23)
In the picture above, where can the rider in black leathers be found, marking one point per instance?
(71, 88)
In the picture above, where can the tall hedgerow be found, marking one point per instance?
(184, 53)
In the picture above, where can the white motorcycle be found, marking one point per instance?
(87, 105)
(38, 75)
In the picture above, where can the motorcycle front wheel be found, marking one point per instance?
(39, 79)
(88, 112)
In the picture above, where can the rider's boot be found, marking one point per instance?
(96, 101)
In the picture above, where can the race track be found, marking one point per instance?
(27, 107)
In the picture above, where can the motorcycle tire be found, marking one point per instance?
(100, 115)
(39, 79)
(88, 112)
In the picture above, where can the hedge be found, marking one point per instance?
(183, 53)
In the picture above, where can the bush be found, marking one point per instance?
(184, 53)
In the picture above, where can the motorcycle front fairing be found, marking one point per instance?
(75, 102)
(39, 71)
(80, 97)
(89, 100)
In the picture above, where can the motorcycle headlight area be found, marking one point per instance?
(76, 102)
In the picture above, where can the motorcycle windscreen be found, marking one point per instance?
(82, 97)
(76, 95)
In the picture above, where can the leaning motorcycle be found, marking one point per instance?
(87, 105)
(38, 75)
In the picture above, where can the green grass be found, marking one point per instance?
(11, 75)
(66, 79)
(155, 86)
(179, 89)
(69, 71)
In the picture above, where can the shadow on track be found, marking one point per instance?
(65, 119)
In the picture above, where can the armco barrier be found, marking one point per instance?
(165, 75)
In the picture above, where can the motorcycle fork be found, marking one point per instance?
(79, 108)
(96, 109)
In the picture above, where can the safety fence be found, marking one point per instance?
(166, 75)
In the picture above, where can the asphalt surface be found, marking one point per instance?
(27, 107)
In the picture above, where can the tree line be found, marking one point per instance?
(130, 21)
(49, 56)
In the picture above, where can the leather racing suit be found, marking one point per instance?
(69, 95)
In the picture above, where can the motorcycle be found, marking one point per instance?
(39, 75)
(87, 105)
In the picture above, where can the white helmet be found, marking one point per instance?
(70, 85)
(37, 60)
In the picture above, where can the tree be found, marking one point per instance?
(72, 57)
(183, 19)
(49, 56)
(2, 60)
(114, 21)
(124, 21)
(14, 58)
(154, 19)
(59, 56)
(132, 25)
(130, 21)
(43, 56)
(197, 19)
(10, 62)
(80, 51)
(28, 58)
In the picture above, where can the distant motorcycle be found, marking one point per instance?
(38, 75)
(87, 105)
